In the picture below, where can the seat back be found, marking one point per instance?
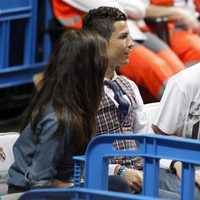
(7, 141)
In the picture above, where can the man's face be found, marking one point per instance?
(119, 45)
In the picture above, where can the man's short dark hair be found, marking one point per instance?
(102, 20)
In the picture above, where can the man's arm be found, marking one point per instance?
(174, 14)
(177, 166)
(61, 184)
(134, 9)
(156, 130)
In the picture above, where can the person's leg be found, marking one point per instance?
(187, 46)
(147, 69)
(172, 60)
(170, 182)
(197, 193)
(168, 195)
(159, 47)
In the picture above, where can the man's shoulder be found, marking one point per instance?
(186, 78)
(188, 72)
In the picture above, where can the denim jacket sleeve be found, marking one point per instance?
(47, 154)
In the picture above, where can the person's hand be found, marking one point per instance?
(189, 20)
(192, 23)
(197, 177)
(134, 179)
(60, 184)
(2, 155)
(178, 168)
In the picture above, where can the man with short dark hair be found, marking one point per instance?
(114, 116)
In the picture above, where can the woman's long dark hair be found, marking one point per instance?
(73, 83)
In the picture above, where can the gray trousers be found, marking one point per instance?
(171, 182)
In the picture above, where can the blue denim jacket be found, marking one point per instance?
(37, 164)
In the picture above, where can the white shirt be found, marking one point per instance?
(179, 109)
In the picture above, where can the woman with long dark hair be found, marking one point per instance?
(60, 119)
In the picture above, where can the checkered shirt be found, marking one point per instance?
(110, 120)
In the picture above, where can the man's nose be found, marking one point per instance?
(130, 42)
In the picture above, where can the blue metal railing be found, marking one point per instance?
(26, 13)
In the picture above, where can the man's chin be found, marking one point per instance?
(124, 63)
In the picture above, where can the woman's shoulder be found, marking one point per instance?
(49, 114)
(50, 121)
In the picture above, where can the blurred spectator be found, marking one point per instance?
(184, 26)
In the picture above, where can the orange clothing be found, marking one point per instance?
(162, 2)
(197, 3)
(67, 15)
(186, 45)
(151, 70)
(183, 42)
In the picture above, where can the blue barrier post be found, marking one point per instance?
(151, 148)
